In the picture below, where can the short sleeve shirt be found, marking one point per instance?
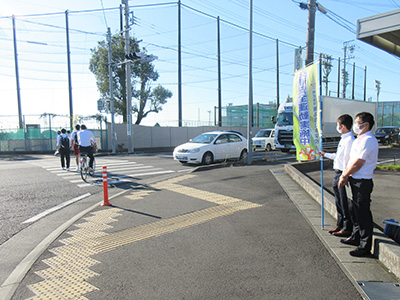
(365, 147)
(342, 155)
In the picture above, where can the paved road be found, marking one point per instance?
(32, 186)
(264, 250)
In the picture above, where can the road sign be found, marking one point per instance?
(298, 58)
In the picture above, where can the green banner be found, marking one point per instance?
(306, 113)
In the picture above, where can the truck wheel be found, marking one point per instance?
(268, 148)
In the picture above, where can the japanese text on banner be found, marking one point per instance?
(306, 116)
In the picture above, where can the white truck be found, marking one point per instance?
(332, 108)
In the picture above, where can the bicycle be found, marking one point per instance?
(84, 166)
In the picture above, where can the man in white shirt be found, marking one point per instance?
(87, 142)
(359, 173)
(344, 226)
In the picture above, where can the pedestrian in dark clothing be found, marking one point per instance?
(63, 147)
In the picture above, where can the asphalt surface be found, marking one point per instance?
(224, 233)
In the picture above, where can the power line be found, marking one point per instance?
(104, 13)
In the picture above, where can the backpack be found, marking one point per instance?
(64, 142)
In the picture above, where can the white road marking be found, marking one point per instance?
(49, 211)
(126, 176)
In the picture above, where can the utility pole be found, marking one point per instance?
(179, 67)
(71, 113)
(21, 123)
(128, 80)
(250, 104)
(219, 75)
(326, 62)
(346, 48)
(365, 83)
(111, 90)
(277, 73)
(310, 31)
(378, 89)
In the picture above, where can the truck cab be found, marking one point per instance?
(284, 128)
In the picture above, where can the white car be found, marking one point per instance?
(264, 139)
(212, 146)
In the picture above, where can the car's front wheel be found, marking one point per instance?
(268, 148)
(243, 157)
(208, 158)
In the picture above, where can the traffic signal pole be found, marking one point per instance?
(128, 80)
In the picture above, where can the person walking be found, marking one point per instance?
(63, 147)
(359, 173)
(344, 226)
(87, 142)
(75, 145)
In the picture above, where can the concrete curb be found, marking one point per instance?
(8, 288)
(385, 249)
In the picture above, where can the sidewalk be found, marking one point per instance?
(385, 201)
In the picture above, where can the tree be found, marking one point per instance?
(143, 73)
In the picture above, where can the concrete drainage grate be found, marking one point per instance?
(381, 290)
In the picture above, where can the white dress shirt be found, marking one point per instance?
(85, 138)
(365, 147)
(342, 155)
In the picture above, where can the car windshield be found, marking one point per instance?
(204, 138)
(383, 130)
(285, 118)
(263, 133)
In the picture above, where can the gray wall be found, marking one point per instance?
(145, 137)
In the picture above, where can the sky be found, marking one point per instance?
(42, 59)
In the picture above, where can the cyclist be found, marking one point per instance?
(87, 142)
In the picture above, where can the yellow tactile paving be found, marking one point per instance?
(70, 267)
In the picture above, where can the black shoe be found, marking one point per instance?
(350, 241)
(343, 233)
(360, 253)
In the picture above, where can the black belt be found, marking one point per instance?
(338, 171)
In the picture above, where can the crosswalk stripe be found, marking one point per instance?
(109, 171)
(114, 168)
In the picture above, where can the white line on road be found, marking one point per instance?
(125, 176)
(46, 212)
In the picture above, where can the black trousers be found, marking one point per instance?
(65, 157)
(360, 210)
(89, 152)
(342, 205)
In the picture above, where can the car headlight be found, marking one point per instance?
(195, 150)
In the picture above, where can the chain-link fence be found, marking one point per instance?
(39, 132)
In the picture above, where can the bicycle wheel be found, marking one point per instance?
(84, 168)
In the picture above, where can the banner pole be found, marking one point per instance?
(320, 141)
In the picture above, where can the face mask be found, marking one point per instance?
(338, 129)
(357, 129)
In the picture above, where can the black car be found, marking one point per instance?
(387, 135)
